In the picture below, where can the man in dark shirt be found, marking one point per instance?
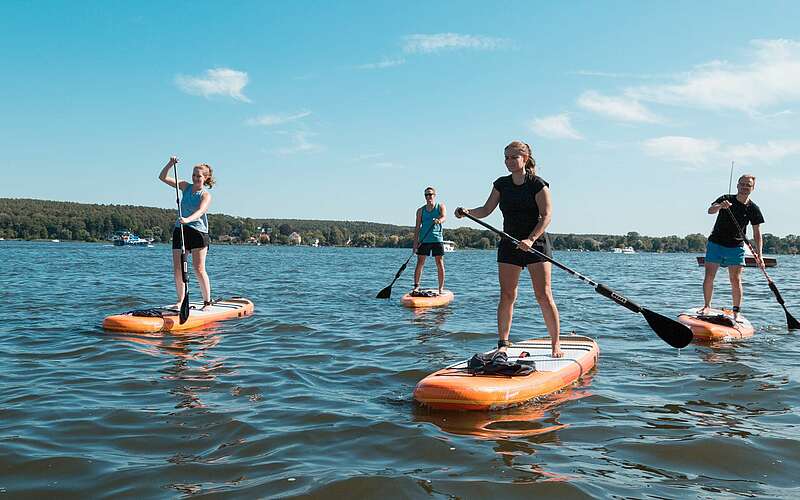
(726, 244)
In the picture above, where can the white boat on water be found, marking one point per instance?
(449, 246)
(127, 238)
(624, 250)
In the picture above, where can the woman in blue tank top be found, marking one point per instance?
(524, 200)
(429, 229)
(195, 200)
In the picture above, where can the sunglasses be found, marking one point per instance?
(430, 194)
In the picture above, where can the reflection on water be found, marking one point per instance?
(191, 365)
(536, 418)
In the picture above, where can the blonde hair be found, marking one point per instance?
(530, 163)
(209, 173)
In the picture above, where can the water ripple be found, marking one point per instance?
(311, 396)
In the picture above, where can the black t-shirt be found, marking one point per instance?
(518, 204)
(725, 232)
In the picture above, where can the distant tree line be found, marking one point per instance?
(41, 219)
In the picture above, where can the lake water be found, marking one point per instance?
(311, 396)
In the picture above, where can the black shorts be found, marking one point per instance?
(194, 238)
(508, 253)
(435, 249)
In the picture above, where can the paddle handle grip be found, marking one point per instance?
(184, 267)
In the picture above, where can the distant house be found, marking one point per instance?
(295, 238)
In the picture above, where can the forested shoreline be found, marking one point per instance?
(30, 219)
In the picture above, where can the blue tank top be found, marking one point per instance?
(190, 202)
(435, 235)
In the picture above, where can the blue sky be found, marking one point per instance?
(348, 110)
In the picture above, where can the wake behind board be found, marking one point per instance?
(436, 300)
(454, 388)
(165, 319)
(716, 324)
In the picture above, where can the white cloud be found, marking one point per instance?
(626, 76)
(387, 165)
(449, 41)
(217, 81)
(369, 156)
(770, 78)
(276, 119)
(704, 151)
(682, 149)
(778, 186)
(618, 108)
(385, 63)
(770, 152)
(555, 127)
(300, 144)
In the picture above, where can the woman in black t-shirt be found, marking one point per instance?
(524, 199)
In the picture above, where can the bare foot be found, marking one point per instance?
(557, 352)
(703, 310)
(441, 291)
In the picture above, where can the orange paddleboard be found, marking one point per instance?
(442, 299)
(716, 324)
(454, 388)
(220, 310)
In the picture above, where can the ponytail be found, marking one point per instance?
(209, 172)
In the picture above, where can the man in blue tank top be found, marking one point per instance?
(428, 237)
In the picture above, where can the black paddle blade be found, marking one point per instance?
(385, 293)
(793, 323)
(184, 314)
(670, 331)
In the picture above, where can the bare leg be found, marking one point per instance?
(418, 269)
(708, 285)
(199, 264)
(178, 272)
(440, 272)
(509, 279)
(735, 273)
(540, 278)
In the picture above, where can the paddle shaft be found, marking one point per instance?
(184, 266)
(744, 236)
(771, 283)
(599, 287)
(792, 323)
(387, 291)
(403, 267)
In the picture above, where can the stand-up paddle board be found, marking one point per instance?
(455, 388)
(165, 319)
(428, 298)
(716, 324)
